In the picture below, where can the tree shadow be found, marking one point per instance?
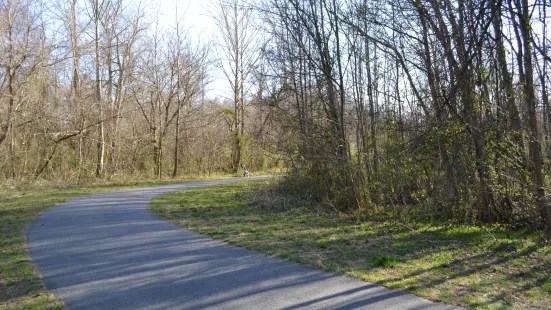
(107, 251)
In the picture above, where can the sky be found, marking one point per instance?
(195, 15)
(202, 29)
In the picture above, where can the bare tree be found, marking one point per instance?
(21, 54)
(238, 38)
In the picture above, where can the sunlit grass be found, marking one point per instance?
(481, 267)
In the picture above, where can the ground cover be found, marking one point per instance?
(21, 286)
(487, 267)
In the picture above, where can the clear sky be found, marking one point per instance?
(197, 19)
(195, 15)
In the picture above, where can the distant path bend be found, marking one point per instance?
(107, 251)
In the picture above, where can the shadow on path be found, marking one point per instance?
(106, 251)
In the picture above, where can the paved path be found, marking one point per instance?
(106, 251)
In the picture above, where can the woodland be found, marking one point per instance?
(425, 109)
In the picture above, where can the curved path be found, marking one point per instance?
(106, 251)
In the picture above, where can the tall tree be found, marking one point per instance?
(238, 42)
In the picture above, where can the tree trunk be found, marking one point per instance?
(100, 126)
(530, 97)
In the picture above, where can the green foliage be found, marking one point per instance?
(546, 286)
(228, 114)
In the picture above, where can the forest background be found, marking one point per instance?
(423, 108)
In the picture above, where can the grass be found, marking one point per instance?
(480, 267)
(384, 261)
(21, 286)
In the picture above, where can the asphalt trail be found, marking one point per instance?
(107, 251)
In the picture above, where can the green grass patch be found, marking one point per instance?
(480, 267)
(384, 261)
(21, 286)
